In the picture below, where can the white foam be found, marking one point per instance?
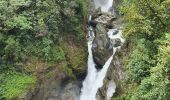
(104, 4)
(111, 89)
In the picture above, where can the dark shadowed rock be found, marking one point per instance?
(71, 92)
(105, 18)
(96, 13)
(100, 45)
(115, 42)
(92, 23)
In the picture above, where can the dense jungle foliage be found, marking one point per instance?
(147, 29)
(31, 30)
(34, 30)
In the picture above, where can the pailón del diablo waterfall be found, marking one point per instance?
(94, 78)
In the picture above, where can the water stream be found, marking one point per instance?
(105, 5)
(111, 89)
(94, 78)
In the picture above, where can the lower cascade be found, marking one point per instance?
(94, 78)
(111, 89)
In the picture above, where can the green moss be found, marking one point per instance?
(15, 84)
(76, 57)
(49, 75)
(84, 6)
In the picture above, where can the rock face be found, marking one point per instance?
(55, 87)
(58, 87)
(100, 45)
(70, 92)
(105, 18)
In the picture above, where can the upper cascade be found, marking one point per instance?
(106, 5)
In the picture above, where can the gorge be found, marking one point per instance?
(84, 49)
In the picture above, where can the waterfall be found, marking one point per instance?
(105, 5)
(94, 78)
(111, 89)
(112, 35)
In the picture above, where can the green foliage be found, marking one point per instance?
(84, 6)
(12, 49)
(72, 18)
(75, 59)
(157, 86)
(140, 61)
(31, 29)
(14, 84)
(146, 17)
(48, 52)
(146, 25)
(20, 22)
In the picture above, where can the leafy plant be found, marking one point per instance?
(14, 84)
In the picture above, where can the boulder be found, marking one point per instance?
(105, 18)
(100, 45)
(71, 92)
(115, 42)
(96, 13)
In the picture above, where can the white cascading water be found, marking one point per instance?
(104, 4)
(94, 78)
(116, 36)
(111, 89)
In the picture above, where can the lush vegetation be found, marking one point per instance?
(36, 30)
(147, 28)
(32, 30)
(13, 84)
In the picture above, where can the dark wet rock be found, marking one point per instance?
(92, 23)
(115, 42)
(96, 13)
(104, 18)
(117, 74)
(115, 32)
(100, 45)
(117, 23)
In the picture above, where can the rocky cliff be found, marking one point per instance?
(102, 47)
(63, 82)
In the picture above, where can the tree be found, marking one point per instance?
(157, 85)
(148, 66)
(145, 17)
